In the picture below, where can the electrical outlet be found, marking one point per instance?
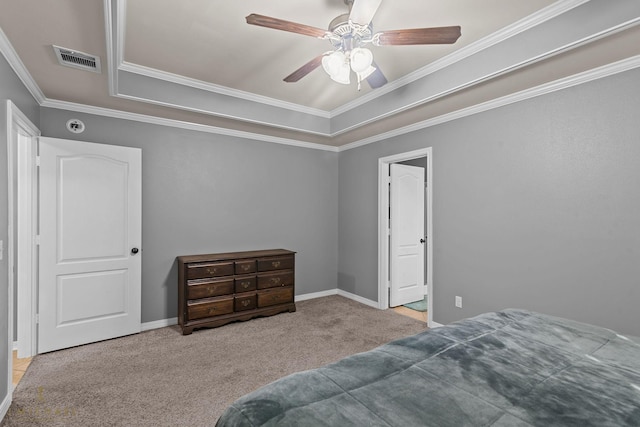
(459, 302)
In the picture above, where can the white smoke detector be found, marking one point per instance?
(75, 126)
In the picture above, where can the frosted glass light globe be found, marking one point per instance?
(343, 75)
(361, 59)
(333, 63)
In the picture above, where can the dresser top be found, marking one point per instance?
(234, 255)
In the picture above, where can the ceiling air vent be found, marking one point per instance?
(75, 59)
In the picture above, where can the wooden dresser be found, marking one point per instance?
(217, 289)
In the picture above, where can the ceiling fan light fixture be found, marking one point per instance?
(347, 34)
(342, 76)
(333, 63)
(361, 60)
(337, 66)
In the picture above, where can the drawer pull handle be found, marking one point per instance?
(275, 264)
(274, 298)
(246, 267)
(210, 289)
(245, 285)
(275, 280)
(212, 270)
(211, 310)
(245, 302)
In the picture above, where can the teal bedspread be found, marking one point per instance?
(509, 368)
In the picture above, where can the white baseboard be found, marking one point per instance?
(147, 326)
(6, 403)
(340, 292)
(314, 295)
(359, 299)
(435, 325)
(163, 323)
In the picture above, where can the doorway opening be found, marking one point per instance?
(384, 225)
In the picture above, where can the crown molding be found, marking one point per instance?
(121, 64)
(575, 80)
(143, 118)
(557, 85)
(222, 90)
(543, 15)
(18, 67)
(121, 15)
(112, 52)
(206, 112)
(511, 68)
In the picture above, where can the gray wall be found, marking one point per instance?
(536, 205)
(206, 193)
(10, 88)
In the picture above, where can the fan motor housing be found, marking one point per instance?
(345, 31)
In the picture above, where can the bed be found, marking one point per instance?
(508, 368)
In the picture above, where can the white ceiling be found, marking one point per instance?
(206, 46)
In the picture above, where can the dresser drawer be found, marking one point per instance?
(216, 269)
(209, 307)
(245, 284)
(275, 296)
(245, 266)
(245, 302)
(275, 263)
(209, 288)
(275, 279)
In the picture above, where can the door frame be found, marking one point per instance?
(27, 253)
(408, 198)
(383, 226)
(16, 121)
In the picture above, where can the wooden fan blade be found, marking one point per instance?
(376, 79)
(281, 24)
(436, 35)
(362, 11)
(304, 70)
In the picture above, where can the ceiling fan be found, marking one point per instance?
(348, 34)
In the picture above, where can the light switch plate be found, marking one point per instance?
(459, 302)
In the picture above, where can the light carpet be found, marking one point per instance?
(162, 378)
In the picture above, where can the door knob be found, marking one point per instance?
(134, 251)
(422, 240)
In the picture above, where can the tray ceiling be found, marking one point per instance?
(198, 61)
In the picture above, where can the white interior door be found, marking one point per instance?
(406, 234)
(90, 235)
